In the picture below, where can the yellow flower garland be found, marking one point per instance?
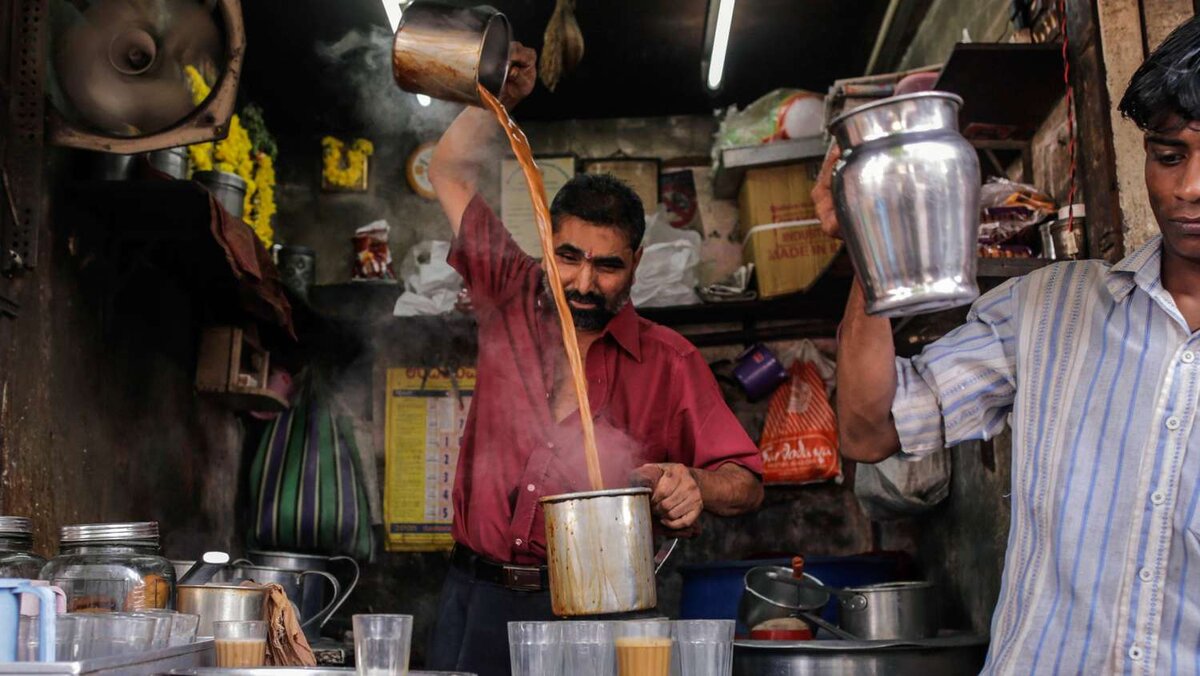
(233, 154)
(342, 166)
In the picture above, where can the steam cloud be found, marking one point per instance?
(361, 62)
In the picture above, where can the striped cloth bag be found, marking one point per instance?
(306, 484)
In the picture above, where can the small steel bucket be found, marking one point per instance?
(600, 552)
(907, 197)
(445, 51)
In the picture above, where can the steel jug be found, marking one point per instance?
(907, 197)
(600, 552)
(445, 51)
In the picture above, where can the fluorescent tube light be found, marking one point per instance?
(394, 9)
(720, 45)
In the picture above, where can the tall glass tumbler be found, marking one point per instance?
(535, 648)
(588, 648)
(381, 644)
(705, 647)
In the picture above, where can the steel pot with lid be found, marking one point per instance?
(446, 52)
(600, 552)
(892, 610)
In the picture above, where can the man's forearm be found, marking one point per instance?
(866, 383)
(458, 160)
(729, 490)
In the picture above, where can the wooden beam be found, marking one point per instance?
(1162, 17)
(1122, 40)
(1097, 177)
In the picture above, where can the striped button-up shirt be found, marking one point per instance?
(1098, 374)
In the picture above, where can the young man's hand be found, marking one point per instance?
(822, 193)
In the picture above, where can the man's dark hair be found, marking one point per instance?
(602, 199)
(1168, 82)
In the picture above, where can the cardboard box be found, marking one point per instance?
(788, 257)
(777, 194)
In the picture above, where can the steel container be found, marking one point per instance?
(907, 198)
(892, 610)
(221, 603)
(293, 583)
(600, 552)
(228, 188)
(315, 596)
(445, 51)
(174, 162)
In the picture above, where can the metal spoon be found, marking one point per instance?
(851, 600)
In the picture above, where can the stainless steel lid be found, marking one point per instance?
(109, 532)
(15, 525)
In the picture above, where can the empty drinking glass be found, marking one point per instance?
(183, 628)
(121, 634)
(381, 644)
(162, 625)
(643, 647)
(705, 647)
(588, 648)
(535, 648)
(240, 643)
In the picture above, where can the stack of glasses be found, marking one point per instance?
(624, 648)
(82, 636)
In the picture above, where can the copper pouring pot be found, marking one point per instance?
(445, 51)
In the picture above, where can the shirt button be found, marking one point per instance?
(1188, 357)
(531, 488)
(1145, 574)
(1158, 497)
(1172, 423)
(1135, 653)
(520, 542)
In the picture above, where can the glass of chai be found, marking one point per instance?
(643, 647)
(241, 644)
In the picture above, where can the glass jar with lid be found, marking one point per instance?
(16, 549)
(112, 567)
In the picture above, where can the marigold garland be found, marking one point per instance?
(237, 155)
(342, 166)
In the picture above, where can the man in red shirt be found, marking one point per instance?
(658, 412)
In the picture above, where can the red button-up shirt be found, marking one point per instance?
(653, 399)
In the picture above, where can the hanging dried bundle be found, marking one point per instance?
(562, 48)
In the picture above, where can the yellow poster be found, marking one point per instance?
(426, 414)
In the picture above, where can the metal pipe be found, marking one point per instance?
(884, 28)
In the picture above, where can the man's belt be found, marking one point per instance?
(511, 576)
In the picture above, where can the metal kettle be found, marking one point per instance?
(445, 51)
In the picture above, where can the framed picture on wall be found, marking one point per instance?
(516, 210)
(641, 173)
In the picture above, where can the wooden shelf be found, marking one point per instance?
(1033, 76)
(167, 227)
(734, 162)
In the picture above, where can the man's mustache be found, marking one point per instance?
(592, 298)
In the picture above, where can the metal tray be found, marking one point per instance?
(198, 654)
(295, 671)
(950, 654)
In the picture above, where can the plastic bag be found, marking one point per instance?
(898, 488)
(1010, 209)
(667, 274)
(779, 115)
(800, 438)
(431, 286)
(372, 258)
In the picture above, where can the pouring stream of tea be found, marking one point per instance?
(537, 193)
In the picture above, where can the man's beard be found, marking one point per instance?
(592, 318)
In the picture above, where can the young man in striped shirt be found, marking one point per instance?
(1097, 370)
